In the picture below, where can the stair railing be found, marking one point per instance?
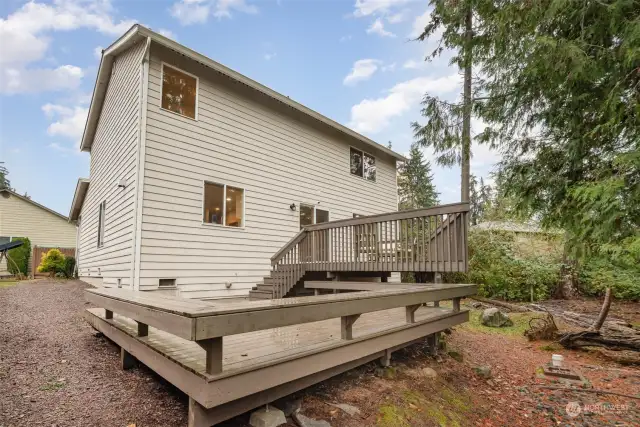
(288, 264)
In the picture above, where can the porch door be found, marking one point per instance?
(309, 215)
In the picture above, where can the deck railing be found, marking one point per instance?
(419, 240)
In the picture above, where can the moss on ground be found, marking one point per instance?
(520, 323)
(7, 283)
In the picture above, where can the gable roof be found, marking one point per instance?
(137, 33)
(26, 199)
(78, 198)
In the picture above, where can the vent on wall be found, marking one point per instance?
(167, 283)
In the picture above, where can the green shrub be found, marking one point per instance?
(505, 267)
(597, 273)
(52, 262)
(20, 256)
(69, 267)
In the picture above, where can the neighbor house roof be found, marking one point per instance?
(78, 198)
(138, 32)
(27, 199)
(516, 227)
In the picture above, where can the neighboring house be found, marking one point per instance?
(199, 174)
(22, 217)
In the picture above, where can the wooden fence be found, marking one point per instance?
(36, 256)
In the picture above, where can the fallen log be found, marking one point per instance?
(596, 339)
(512, 307)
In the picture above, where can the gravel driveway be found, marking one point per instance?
(54, 371)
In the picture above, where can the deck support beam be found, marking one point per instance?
(346, 326)
(456, 305)
(436, 303)
(213, 350)
(108, 314)
(126, 359)
(143, 329)
(411, 312)
(385, 360)
(433, 341)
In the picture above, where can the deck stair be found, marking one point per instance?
(429, 240)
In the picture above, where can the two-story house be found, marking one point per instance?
(199, 174)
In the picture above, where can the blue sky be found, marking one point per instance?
(351, 60)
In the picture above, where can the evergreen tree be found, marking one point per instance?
(448, 126)
(563, 100)
(415, 182)
(4, 181)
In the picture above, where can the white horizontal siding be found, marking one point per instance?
(113, 157)
(244, 141)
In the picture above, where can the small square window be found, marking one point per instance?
(179, 91)
(363, 165)
(223, 205)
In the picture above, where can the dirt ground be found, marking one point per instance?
(55, 371)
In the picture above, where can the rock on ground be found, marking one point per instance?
(267, 417)
(303, 421)
(483, 371)
(429, 373)
(495, 318)
(351, 410)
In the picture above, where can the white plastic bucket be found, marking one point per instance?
(556, 360)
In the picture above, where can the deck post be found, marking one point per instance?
(346, 326)
(126, 359)
(456, 304)
(433, 343)
(198, 416)
(213, 349)
(436, 303)
(108, 314)
(385, 360)
(411, 312)
(143, 329)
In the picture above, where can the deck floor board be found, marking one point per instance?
(245, 351)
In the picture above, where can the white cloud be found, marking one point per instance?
(373, 115)
(33, 80)
(389, 67)
(419, 23)
(24, 34)
(68, 122)
(97, 52)
(397, 17)
(345, 38)
(372, 7)
(362, 70)
(167, 33)
(377, 27)
(189, 12)
(269, 56)
(414, 65)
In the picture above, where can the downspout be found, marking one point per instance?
(140, 158)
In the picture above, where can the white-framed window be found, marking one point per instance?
(362, 164)
(223, 205)
(101, 218)
(179, 92)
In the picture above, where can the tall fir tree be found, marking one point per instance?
(415, 182)
(448, 124)
(563, 101)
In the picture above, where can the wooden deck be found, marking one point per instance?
(270, 348)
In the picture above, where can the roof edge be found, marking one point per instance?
(138, 31)
(78, 198)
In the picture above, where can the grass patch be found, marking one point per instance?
(8, 283)
(554, 346)
(520, 323)
(52, 385)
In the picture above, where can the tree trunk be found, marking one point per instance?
(603, 312)
(466, 115)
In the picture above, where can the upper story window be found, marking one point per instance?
(223, 205)
(179, 92)
(363, 165)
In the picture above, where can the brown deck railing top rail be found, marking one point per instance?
(419, 240)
